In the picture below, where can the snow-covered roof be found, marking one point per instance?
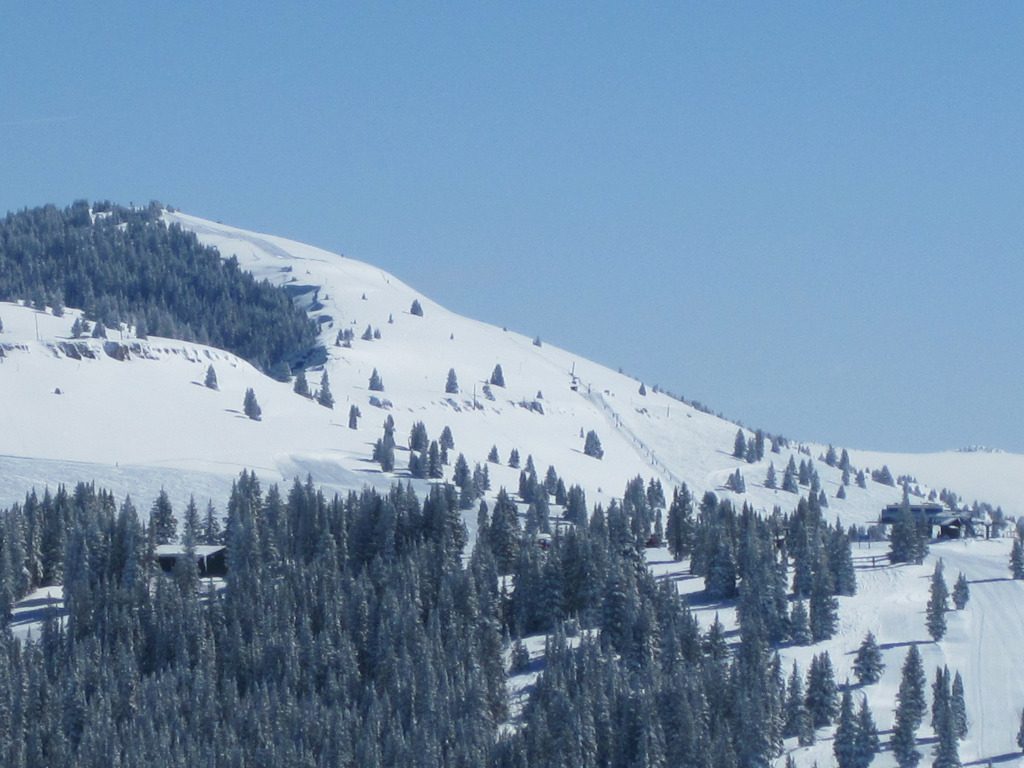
(177, 550)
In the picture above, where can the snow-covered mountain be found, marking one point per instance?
(133, 414)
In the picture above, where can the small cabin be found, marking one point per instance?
(951, 524)
(211, 559)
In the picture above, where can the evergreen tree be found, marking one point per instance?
(211, 526)
(416, 308)
(592, 445)
(353, 416)
(958, 707)
(323, 395)
(76, 329)
(679, 530)
(250, 407)
(739, 447)
(99, 331)
(301, 386)
(789, 479)
(824, 608)
(946, 750)
(937, 607)
(376, 383)
(799, 625)
(1017, 560)
(821, 691)
(844, 744)
(162, 520)
(862, 481)
(961, 592)
(497, 376)
(910, 710)
(446, 440)
(868, 665)
(797, 720)
(769, 479)
(451, 385)
(513, 458)
(866, 737)
(211, 379)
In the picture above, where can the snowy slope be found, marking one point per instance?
(148, 420)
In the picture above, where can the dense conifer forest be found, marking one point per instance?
(363, 631)
(125, 265)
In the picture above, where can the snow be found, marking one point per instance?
(148, 423)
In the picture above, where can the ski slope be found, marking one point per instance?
(146, 422)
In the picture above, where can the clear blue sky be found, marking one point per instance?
(808, 216)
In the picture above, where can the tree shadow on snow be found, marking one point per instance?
(903, 644)
(990, 581)
(1003, 758)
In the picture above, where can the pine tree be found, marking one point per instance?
(909, 710)
(868, 665)
(99, 331)
(821, 691)
(513, 458)
(323, 395)
(937, 607)
(416, 308)
(958, 707)
(769, 478)
(1017, 560)
(946, 751)
(211, 526)
(497, 376)
(592, 445)
(492, 455)
(867, 735)
(250, 407)
(162, 519)
(1020, 732)
(844, 744)
(739, 446)
(797, 720)
(824, 608)
(451, 386)
(353, 416)
(301, 386)
(376, 383)
(789, 479)
(799, 626)
(211, 379)
(961, 592)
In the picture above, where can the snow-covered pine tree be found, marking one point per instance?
(301, 385)
(799, 627)
(451, 385)
(1017, 560)
(376, 383)
(844, 743)
(961, 592)
(821, 691)
(769, 478)
(936, 611)
(739, 446)
(323, 395)
(210, 382)
(592, 445)
(162, 519)
(250, 407)
(796, 718)
(497, 376)
(868, 665)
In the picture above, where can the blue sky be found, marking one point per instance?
(808, 216)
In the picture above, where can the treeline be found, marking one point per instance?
(349, 633)
(353, 631)
(125, 265)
